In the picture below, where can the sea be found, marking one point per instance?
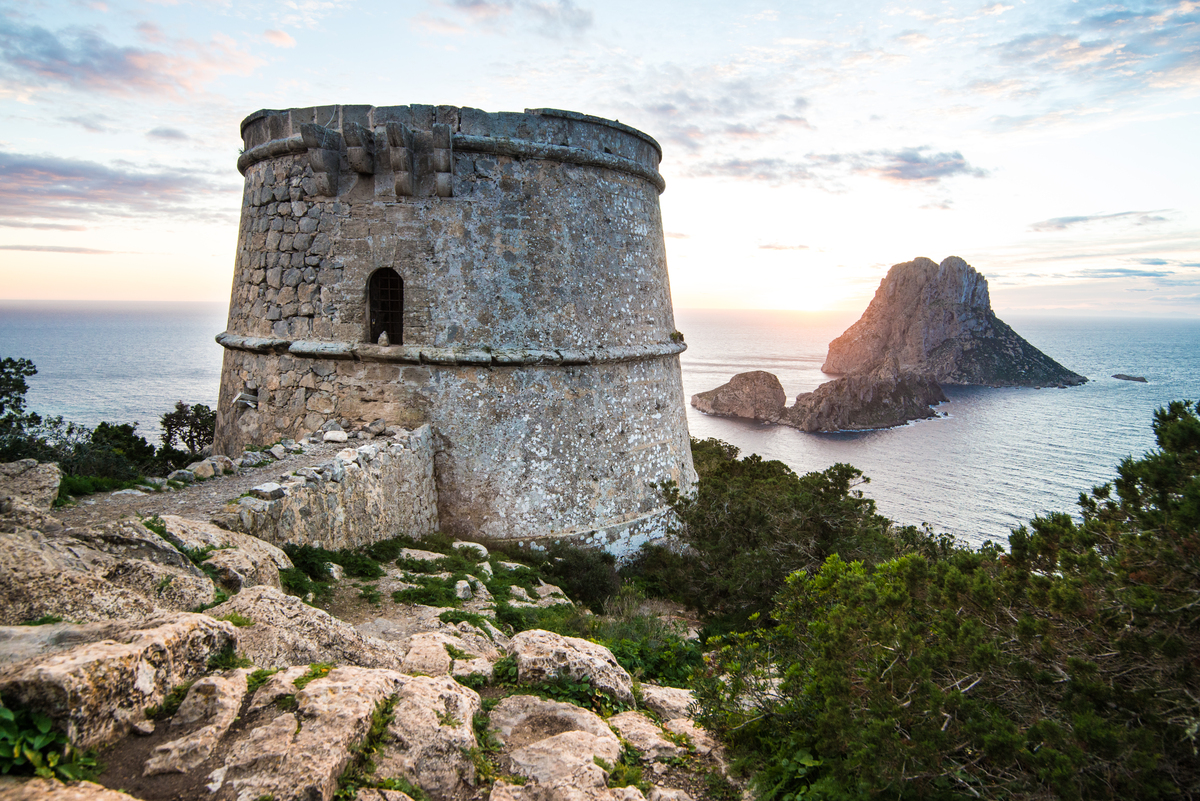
(992, 460)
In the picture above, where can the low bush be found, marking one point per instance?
(1063, 668)
(30, 744)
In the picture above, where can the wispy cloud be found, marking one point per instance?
(58, 249)
(94, 123)
(1063, 223)
(779, 246)
(166, 133)
(44, 191)
(917, 165)
(552, 18)
(279, 38)
(33, 56)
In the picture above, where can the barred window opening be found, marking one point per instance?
(385, 303)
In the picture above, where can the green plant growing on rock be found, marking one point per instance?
(30, 744)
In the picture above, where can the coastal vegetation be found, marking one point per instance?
(893, 662)
(108, 457)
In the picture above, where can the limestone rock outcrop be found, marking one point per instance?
(756, 395)
(937, 320)
(36, 484)
(100, 689)
(543, 655)
(120, 570)
(240, 559)
(285, 631)
(883, 398)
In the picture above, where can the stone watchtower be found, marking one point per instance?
(500, 276)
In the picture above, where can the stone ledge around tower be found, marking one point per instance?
(466, 357)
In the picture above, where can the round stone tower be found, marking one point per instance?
(500, 276)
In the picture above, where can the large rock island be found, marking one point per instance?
(937, 319)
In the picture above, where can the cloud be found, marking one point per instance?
(1123, 272)
(41, 226)
(38, 191)
(552, 18)
(918, 164)
(909, 165)
(1125, 48)
(778, 246)
(769, 170)
(91, 124)
(167, 133)
(676, 235)
(150, 32)
(58, 249)
(1063, 223)
(32, 56)
(279, 38)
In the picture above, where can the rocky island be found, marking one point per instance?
(928, 324)
(937, 319)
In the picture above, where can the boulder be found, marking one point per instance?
(1119, 376)
(300, 755)
(36, 484)
(700, 739)
(210, 708)
(335, 436)
(554, 743)
(937, 320)
(432, 733)
(202, 469)
(756, 395)
(644, 734)
(286, 631)
(667, 702)
(122, 570)
(543, 655)
(97, 690)
(884, 398)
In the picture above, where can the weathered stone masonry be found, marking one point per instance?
(535, 321)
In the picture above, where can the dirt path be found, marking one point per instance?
(200, 501)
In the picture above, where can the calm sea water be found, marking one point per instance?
(997, 458)
(117, 362)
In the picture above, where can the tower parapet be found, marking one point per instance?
(501, 276)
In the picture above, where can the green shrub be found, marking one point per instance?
(30, 744)
(1063, 668)
(227, 659)
(751, 523)
(586, 575)
(170, 703)
(190, 427)
(431, 591)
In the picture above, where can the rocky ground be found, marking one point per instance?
(262, 696)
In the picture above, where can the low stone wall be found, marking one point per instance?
(364, 495)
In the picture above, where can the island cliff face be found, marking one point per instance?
(881, 399)
(937, 319)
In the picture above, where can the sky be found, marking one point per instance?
(808, 146)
